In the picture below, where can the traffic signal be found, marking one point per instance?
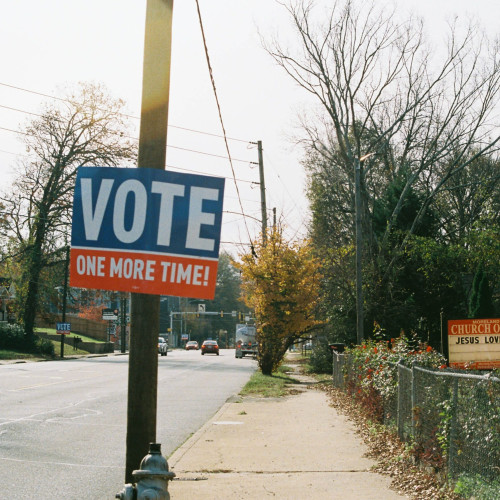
(222, 314)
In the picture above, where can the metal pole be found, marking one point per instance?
(65, 293)
(145, 309)
(452, 443)
(414, 410)
(123, 322)
(400, 403)
(441, 323)
(359, 252)
(65, 289)
(263, 206)
(172, 329)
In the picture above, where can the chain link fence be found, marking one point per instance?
(451, 420)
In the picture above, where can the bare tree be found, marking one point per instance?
(469, 198)
(426, 114)
(85, 129)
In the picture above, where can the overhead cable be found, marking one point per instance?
(122, 114)
(220, 114)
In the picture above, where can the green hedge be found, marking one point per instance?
(12, 337)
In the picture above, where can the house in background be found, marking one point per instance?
(7, 295)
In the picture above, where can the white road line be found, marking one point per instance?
(52, 383)
(32, 417)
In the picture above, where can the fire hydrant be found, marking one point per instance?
(151, 480)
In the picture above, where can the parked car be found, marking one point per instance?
(162, 346)
(210, 346)
(192, 345)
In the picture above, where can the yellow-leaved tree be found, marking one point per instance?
(280, 281)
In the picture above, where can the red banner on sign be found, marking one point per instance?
(159, 274)
(474, 343)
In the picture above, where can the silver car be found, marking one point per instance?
(162, 346)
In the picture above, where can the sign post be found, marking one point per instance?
(63, 329)
(145, 310)
(147, 231)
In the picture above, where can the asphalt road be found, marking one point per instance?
(63, 423)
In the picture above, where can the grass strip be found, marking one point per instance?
(53, 331)
(269, 386)
(10, 354)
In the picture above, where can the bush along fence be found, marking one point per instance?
(450, 419)
(12, 337)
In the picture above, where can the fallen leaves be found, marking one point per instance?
(389, 452)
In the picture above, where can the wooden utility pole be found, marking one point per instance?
(144, 327)
(359, 248)
(359, 252)
(263, 206)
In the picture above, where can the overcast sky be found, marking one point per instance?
(51, 43)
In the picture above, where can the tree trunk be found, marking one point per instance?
(32, 277)
(266, 364)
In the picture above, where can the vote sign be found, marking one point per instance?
(63, 328)
(147, 231)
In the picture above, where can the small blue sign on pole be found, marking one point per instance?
(63, 328)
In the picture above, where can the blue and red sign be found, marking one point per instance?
(147, 231)
(63, 328)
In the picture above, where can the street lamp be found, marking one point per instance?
(359, 247)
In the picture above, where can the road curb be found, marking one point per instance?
(66, 358)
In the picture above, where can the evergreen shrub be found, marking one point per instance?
(321, 358)
(12, 336)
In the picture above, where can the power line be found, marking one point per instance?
(14, 131)
(207, 154)
(220, 114)
(236, 243)
(131, 138)
(303, 221)
(244, 199)
(122, 114)
(209, 175)
(20, 110)
(33, 92)
(11, 153)
(226, 138)
(282, 183)
(168, 166)
(243, 215)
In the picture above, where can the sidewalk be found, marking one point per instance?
(286, 448)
